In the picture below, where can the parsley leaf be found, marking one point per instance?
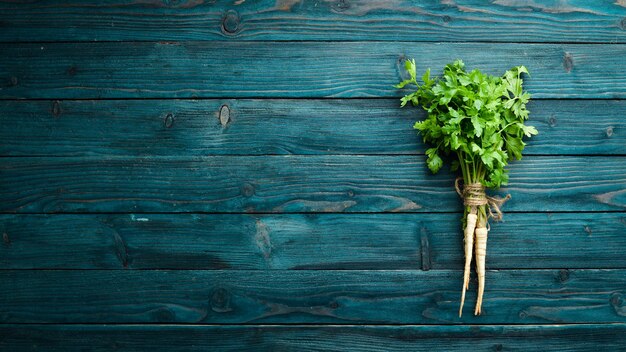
(478, 117)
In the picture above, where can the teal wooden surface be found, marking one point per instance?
(288, 126)
(277, 184)
(295, 241)
(177, 175)
(290, 69)
(305, 296)
(474, 20)
(253, 338)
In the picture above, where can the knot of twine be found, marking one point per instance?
(474, 195)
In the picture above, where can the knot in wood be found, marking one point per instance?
(247, 190)
(224, 115)
(72, 70)
(568, 62)
(552, 121)
(563, 275)
(230, 22)
(56, 108)
(400, 67)
(342, 5)
(617, 300)
(220, 301)
(168, 121)
(522, 314)
(163, 314)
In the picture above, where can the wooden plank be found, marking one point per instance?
(563, 338)
(468, 20)
(295, 241)
(303, 296)
(257, 127)
(289, 69)
(339, 183)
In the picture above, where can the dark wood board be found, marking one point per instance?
(269, 126)
(306, 241)
(286, 184)
(297, 338)
(291, 69)
(309, 296)
(383, 20)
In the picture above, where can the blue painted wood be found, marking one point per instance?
(338, 183)
(308, 296)
(295, 241)
(111, 161)
(258, 127)
(253, 338)
(289, 69)
(467, 20)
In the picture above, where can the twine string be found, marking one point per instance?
(473, 195)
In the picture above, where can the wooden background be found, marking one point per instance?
(238, 175)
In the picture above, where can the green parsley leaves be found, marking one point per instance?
(477, 117)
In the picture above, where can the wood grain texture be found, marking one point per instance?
(302, 296)
(467, 20)
(338, 183)
(295, 241)
(253, 338)
(290, 69)
(258, 127)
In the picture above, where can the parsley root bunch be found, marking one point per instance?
(478, 121)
